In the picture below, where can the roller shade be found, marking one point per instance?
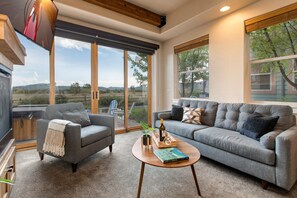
(271, 18)
(85, 34)
(198, 42)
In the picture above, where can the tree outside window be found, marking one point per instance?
(193, 73)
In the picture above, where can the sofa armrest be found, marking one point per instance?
(72, 142)
(104, 120)
(286, 158)
(155, 116)
(268, 140)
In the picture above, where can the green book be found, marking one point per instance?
(170, 155)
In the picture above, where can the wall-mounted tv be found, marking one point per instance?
(33, 18)
(5, 109)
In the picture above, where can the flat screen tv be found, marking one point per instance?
(35, 19)
(5, 109)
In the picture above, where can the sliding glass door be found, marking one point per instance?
(111, 84)
(123, 84)
(137, 89)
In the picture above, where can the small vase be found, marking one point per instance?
(146, 140)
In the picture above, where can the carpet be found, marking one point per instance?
(116, 175)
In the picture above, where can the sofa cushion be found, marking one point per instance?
(56, 111)
(257, 125)
(81, 118)
(177, 112)
(180, 128)
(93, 133)
(235, 143)
(233, 115)
(228, 115)
(210, 109)
(192, 115)
(285, 113)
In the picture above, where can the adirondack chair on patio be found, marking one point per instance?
(113, 106)
(121, 113)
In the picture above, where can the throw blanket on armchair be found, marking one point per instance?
(55, 139)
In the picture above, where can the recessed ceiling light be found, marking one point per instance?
(225, 8)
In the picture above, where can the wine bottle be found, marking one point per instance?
(161, 130)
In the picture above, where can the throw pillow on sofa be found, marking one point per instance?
(81, 118)
(192, 115)
(177, 112)
(257, 125)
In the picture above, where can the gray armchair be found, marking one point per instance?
(80, 142)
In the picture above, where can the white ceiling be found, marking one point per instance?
(161, 7)
(182, 16)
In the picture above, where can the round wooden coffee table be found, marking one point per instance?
(146, 156)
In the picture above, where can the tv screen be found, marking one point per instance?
(5, 105)
(33, 18)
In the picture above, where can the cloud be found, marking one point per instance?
(110, 49)
(20, 79)
(71, 44)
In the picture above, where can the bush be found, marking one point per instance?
(105, 101)
(35, 100)
(139, 114)
(60, 99)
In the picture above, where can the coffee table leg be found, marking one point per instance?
(195, 178)
(140, 179)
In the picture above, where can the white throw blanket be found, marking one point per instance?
(55, 139)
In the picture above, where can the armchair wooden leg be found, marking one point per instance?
(41, 155)
(110, 148)
(74, 167)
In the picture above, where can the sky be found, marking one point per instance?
(72, 64)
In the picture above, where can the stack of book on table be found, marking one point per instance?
(170, 155)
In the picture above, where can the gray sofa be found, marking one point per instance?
(273, 159)
(80, 142)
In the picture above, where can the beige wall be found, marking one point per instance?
(227, 56)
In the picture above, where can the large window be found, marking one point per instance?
(30, 90)
(73, 71)
(31, 82)
(193, 75)
(273, 60)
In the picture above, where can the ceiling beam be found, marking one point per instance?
(131, 10)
